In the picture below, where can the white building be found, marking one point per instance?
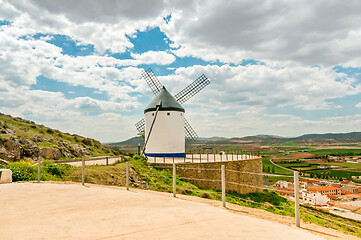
(314, 198)
(164, 127)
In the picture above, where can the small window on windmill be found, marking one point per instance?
(168, 114)
(152, 114)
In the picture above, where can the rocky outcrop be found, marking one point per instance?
(4, 162)
(23, 139)
(10, 150)
(50, 153)
(15, 149)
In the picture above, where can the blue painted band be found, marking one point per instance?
(176, 155)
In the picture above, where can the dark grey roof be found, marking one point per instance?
(166, 102)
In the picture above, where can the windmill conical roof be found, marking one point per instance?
(165, 101)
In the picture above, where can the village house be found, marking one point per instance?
(351, 189)
(327, 190)
(315, 198)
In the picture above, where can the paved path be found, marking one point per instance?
(72, 211)
(95, 161)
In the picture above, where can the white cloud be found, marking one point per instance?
(160, 58)
(234, 87)
(358, 105)
(308, 32)
(89, 22)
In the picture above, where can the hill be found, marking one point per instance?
(327, 138)
(21, 139)
(131, 142)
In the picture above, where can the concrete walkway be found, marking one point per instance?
(72, 211)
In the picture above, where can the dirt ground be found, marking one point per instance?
(73, 211)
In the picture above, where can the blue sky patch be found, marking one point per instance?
(69, 46)
(151, 40)
(69, 91)
(4, 22)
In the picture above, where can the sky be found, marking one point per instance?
(283, 68)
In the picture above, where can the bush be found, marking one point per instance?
(22, 171)
(50, 131)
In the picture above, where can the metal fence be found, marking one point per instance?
(224, 195)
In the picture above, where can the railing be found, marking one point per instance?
(89, 175)
(207, 156)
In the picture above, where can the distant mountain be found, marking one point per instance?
(337, 137)
(23, 139)
(353, 137)
(131, 142)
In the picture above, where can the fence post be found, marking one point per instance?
(192, 157)
(174, 181)
(82, 171)
(107, 161)
(207, 157)
(297, 199)
(223, 173)
(127, 175)
(173, 158)
(163, 158)
(155, 158)
(39, 162)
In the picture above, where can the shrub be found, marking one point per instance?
(50, 131)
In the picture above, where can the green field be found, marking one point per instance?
(267, 164)
(335, 152)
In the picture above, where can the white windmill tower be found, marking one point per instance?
(164, 124)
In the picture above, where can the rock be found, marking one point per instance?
(81, 150)
(4, 162)
(7, 131)
(50, 153)
(10, 150)
(6, 176)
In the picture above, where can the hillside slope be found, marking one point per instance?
(21, 139)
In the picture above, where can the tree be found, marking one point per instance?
(268, 169)
(273, 169)
(311, 175)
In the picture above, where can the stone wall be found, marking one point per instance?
(212, 171)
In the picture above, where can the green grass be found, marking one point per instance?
(268, 164)
(46, 145)
(345, 165)
(336, 152)
(28, 171)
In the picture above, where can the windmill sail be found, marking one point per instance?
(180, 97)
(192, 89)
(189, 132)
(152, 81)
(140, 125)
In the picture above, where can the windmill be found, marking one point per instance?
(164, 124)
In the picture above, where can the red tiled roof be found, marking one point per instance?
(345, 192)
(326, 188)
(332, 197)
